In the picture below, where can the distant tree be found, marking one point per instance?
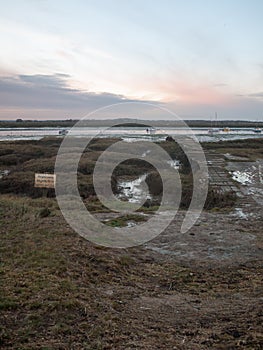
(19, 120)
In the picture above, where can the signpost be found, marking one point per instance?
(45, 180)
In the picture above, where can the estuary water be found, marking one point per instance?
(128, 134)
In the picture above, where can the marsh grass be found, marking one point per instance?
(123, 221)
(58, 291)
(252, 149)
(24, 158)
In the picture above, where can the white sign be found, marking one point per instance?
(45, 180)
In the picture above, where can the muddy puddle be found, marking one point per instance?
(134, 191)
(4, 173)
(249, 177)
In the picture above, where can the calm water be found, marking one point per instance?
(128, 134)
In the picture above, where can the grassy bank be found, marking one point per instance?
(251, 149)
(25, 158)
(60, 292)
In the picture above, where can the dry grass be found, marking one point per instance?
(60, 292)
(251, 149)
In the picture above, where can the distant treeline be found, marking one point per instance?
(20, 123)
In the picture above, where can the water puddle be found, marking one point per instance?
(134, 190)
(174, 164)
(246, 173)
(243, 177)
(4, 173)
(240, 214)
(145, 153)
(235, 158)
(249, 176)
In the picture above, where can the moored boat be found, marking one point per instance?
(63, 132)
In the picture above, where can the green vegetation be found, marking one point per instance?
(58, 291)
(25, 158)
(216, 199)
(252, 149)
(124, 220)
(20, 123)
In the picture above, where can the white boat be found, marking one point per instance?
(213, 131)
(151, 131)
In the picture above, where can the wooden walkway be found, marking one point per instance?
(220, 178)
(218, 175)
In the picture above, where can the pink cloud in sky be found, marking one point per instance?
(187, 92)
(198, 94)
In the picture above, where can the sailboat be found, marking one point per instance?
(212, 129)
(257, 130)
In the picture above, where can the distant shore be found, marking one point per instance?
(20, 123)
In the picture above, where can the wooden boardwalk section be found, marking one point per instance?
(220, 179)
(218, 175)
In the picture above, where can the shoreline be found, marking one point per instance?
(130, 123)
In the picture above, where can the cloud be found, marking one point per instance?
(51, 97)
(45, 80)
(42, 93)
(255, 95)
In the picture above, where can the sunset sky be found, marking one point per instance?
(63, 59)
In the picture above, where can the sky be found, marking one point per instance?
(64, 59)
